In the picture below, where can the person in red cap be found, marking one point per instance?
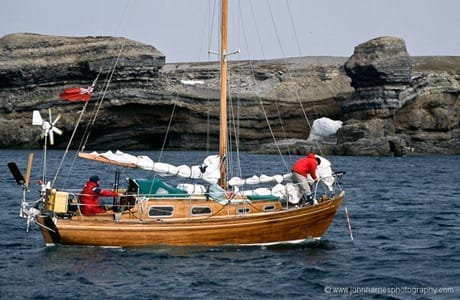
(89, 196)
(300, 170)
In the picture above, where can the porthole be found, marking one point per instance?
(269, 208)
(161, 211)
(201, 210)
(243, 211)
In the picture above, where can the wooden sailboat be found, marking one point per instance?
(154, 213)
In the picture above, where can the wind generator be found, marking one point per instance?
(48, 130)
(29, 210)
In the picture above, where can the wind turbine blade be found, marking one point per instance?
(56, 130)
(57, 119)
(51, 134)
(37, 118)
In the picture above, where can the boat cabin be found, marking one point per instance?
(153, 199)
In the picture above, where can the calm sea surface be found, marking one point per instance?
(404, 213)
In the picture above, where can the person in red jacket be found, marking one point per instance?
(300, 170)
(89, 196)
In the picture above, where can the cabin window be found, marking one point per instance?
(161, 211)
(201, 210)
(269, 208)
(242, 211)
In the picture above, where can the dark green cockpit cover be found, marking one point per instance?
(158, 187)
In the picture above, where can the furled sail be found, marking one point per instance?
(209, 171)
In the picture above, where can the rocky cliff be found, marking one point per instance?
(400, 104)
(389, 102)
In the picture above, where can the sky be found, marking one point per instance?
(184, 30)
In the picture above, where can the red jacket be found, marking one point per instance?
(89, 198)
(306, 165)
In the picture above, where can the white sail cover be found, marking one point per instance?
(324, 172)
(209, 172)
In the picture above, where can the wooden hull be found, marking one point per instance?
(292, 225)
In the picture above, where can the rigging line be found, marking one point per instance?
(252, 68)
(68, 146)
(73, 134)
(237, 131)
(234, 125)
(261, 46)
(257, 29)
(167, 131)
(232, 132)
(300, 54)
(235, 121)
(277, 106)
(88, 126)
(211, 27)
(243, 26)
(208, 119)
(207, 24)
(97, 109)
(231, 129)
(208, 123)
(211, 18)
(266, 117)
(290, 75)
(258, 97)
(175, 96)
(283, 130)
(108, 77)
(293, 27)
(272, 133)
(208, 104)
(276, 103)
(76, 153)
(276, 29)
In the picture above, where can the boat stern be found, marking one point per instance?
(49, 230)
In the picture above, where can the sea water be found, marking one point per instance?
(404, 214)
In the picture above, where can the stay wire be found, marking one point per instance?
(167, 131)
(73, 135)
(87, 131)
(257, 29)
(252, 68)
(293, 27)
(297, 96)
(107, 81)
(101, 101)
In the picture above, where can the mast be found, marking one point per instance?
(223, 94)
